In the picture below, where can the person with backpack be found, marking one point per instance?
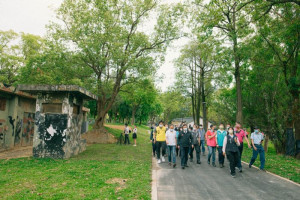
(126, 132)
(230, 148)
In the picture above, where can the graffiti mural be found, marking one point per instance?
(28, 129)
(52, 133)
(3, 130)
(12, 123)
(18, 131)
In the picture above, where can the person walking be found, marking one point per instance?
(177, 133)
(230, 148)
(134, 135)
(171, 144)
(221, 133)
(241, 135)
(196, 143)
(152, 140)
(160, 140)
(184, 140)
(211, 144)
(256, 140)
(202, 139)
(126, 132)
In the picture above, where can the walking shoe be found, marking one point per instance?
(163, 159)
(262, 170)
(214, 164)
(186, 166)
(240, 170)
(233, 175)
(169, 163)
(182, 167)
(174, 165)
(250, 165)
(158, 161)
(199, 162)
(208, 162)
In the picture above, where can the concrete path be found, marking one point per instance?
(207, 182)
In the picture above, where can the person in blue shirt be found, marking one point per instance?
(221, 133)
(256, 139)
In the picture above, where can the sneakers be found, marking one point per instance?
(199, 162)
(174, 165)
(182, 167)
(214, 165)
(158, 161)
(240, 170)
(233, 175)
(262, 170)
(250, 165)
(163, 159)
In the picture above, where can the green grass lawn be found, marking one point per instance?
(93, 174)
(284, 166)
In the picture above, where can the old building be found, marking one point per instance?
(58, 119)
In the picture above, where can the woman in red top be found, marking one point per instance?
(211, 144)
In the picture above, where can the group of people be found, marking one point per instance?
(183, 140)
(127, 131)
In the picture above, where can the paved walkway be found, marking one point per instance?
(17, 152)
(207, 182)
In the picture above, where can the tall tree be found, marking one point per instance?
(108, 38)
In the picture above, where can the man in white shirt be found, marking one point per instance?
(171, 143)
(257, 138)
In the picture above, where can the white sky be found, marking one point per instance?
(31, 16)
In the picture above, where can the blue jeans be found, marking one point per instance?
(172, 153)
(202, 143)
(261, 152)
(211, 152)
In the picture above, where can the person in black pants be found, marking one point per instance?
(230, 147)
(126, 131)
(152, 140)
(184, 140)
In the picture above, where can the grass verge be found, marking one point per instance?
(103, 171)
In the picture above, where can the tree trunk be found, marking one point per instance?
(266, 142)
(203, 100)
(133, 115)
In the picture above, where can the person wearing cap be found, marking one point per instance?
(184, 140)
(202, 139)
(257, 139)
(211, 144)
(221, 133)
(240, 134)
(230, 148)
(160, 140)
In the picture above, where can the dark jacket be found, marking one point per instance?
(185, 139)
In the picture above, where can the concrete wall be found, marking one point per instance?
(58, 133)
(16, 121)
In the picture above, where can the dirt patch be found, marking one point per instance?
(17, 152)
(121, 183)
(119, 127)
(99, 137)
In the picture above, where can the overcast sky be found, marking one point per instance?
(31, 16)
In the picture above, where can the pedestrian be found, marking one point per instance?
(240, 134)
(211, 144)
(177, 133)
(202, 139)
(221, 133)
(160, 140)
(134, 135)
(171, 144)
(126, 132)
(196, 143)
(152, 140)
(184, 140)
(230, 147)
(256, 140)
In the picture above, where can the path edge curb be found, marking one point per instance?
(154, 181)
